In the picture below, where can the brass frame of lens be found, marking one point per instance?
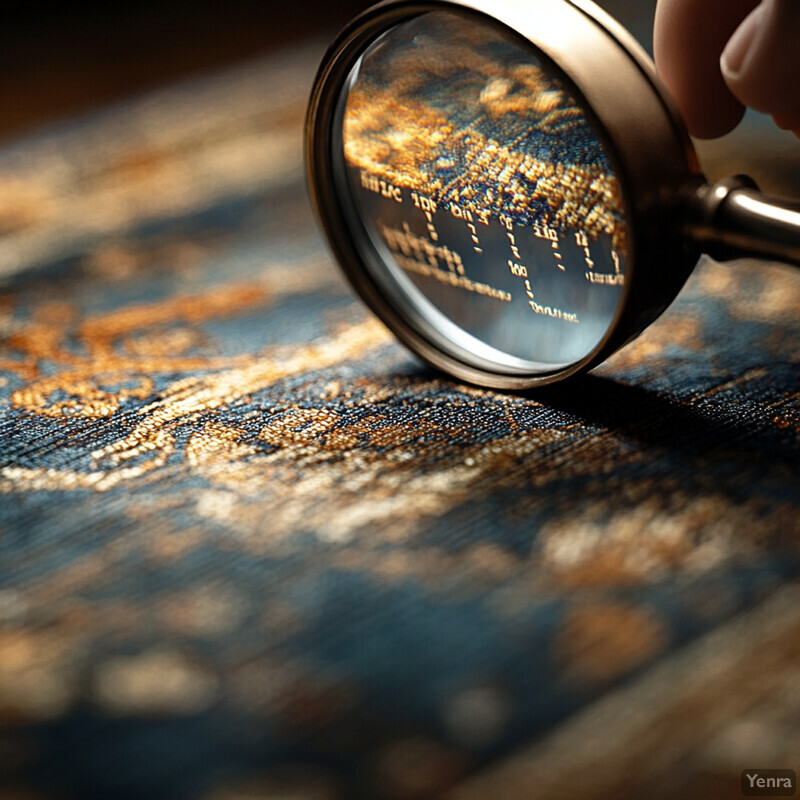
(652, 156)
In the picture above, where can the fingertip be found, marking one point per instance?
(689, 37)
(788, 122)
(711, 123)
(761, 63)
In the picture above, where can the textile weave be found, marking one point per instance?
(251, 548)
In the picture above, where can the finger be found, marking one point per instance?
(789, 121)
(689, 38)
(761, 62)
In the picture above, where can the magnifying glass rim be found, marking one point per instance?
(417, 309)
(643, 296)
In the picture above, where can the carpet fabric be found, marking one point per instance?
(251, 548)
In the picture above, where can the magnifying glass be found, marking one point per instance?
(507, 186)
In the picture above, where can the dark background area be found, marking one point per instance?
(60, 58)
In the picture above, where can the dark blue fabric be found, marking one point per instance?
(249, 544)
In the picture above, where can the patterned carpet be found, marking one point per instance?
(250, 548)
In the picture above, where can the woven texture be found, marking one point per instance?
(251, 548)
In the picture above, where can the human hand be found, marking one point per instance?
(718, 56)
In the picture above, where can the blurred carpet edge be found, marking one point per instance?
(639, 741)
(57, 201)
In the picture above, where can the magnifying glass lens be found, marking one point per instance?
(480, 194)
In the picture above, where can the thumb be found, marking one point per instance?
(761, 62)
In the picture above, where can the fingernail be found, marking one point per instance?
(740, 44)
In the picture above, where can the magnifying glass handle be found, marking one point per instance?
(732, 219)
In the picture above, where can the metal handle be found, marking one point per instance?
(732, 219)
